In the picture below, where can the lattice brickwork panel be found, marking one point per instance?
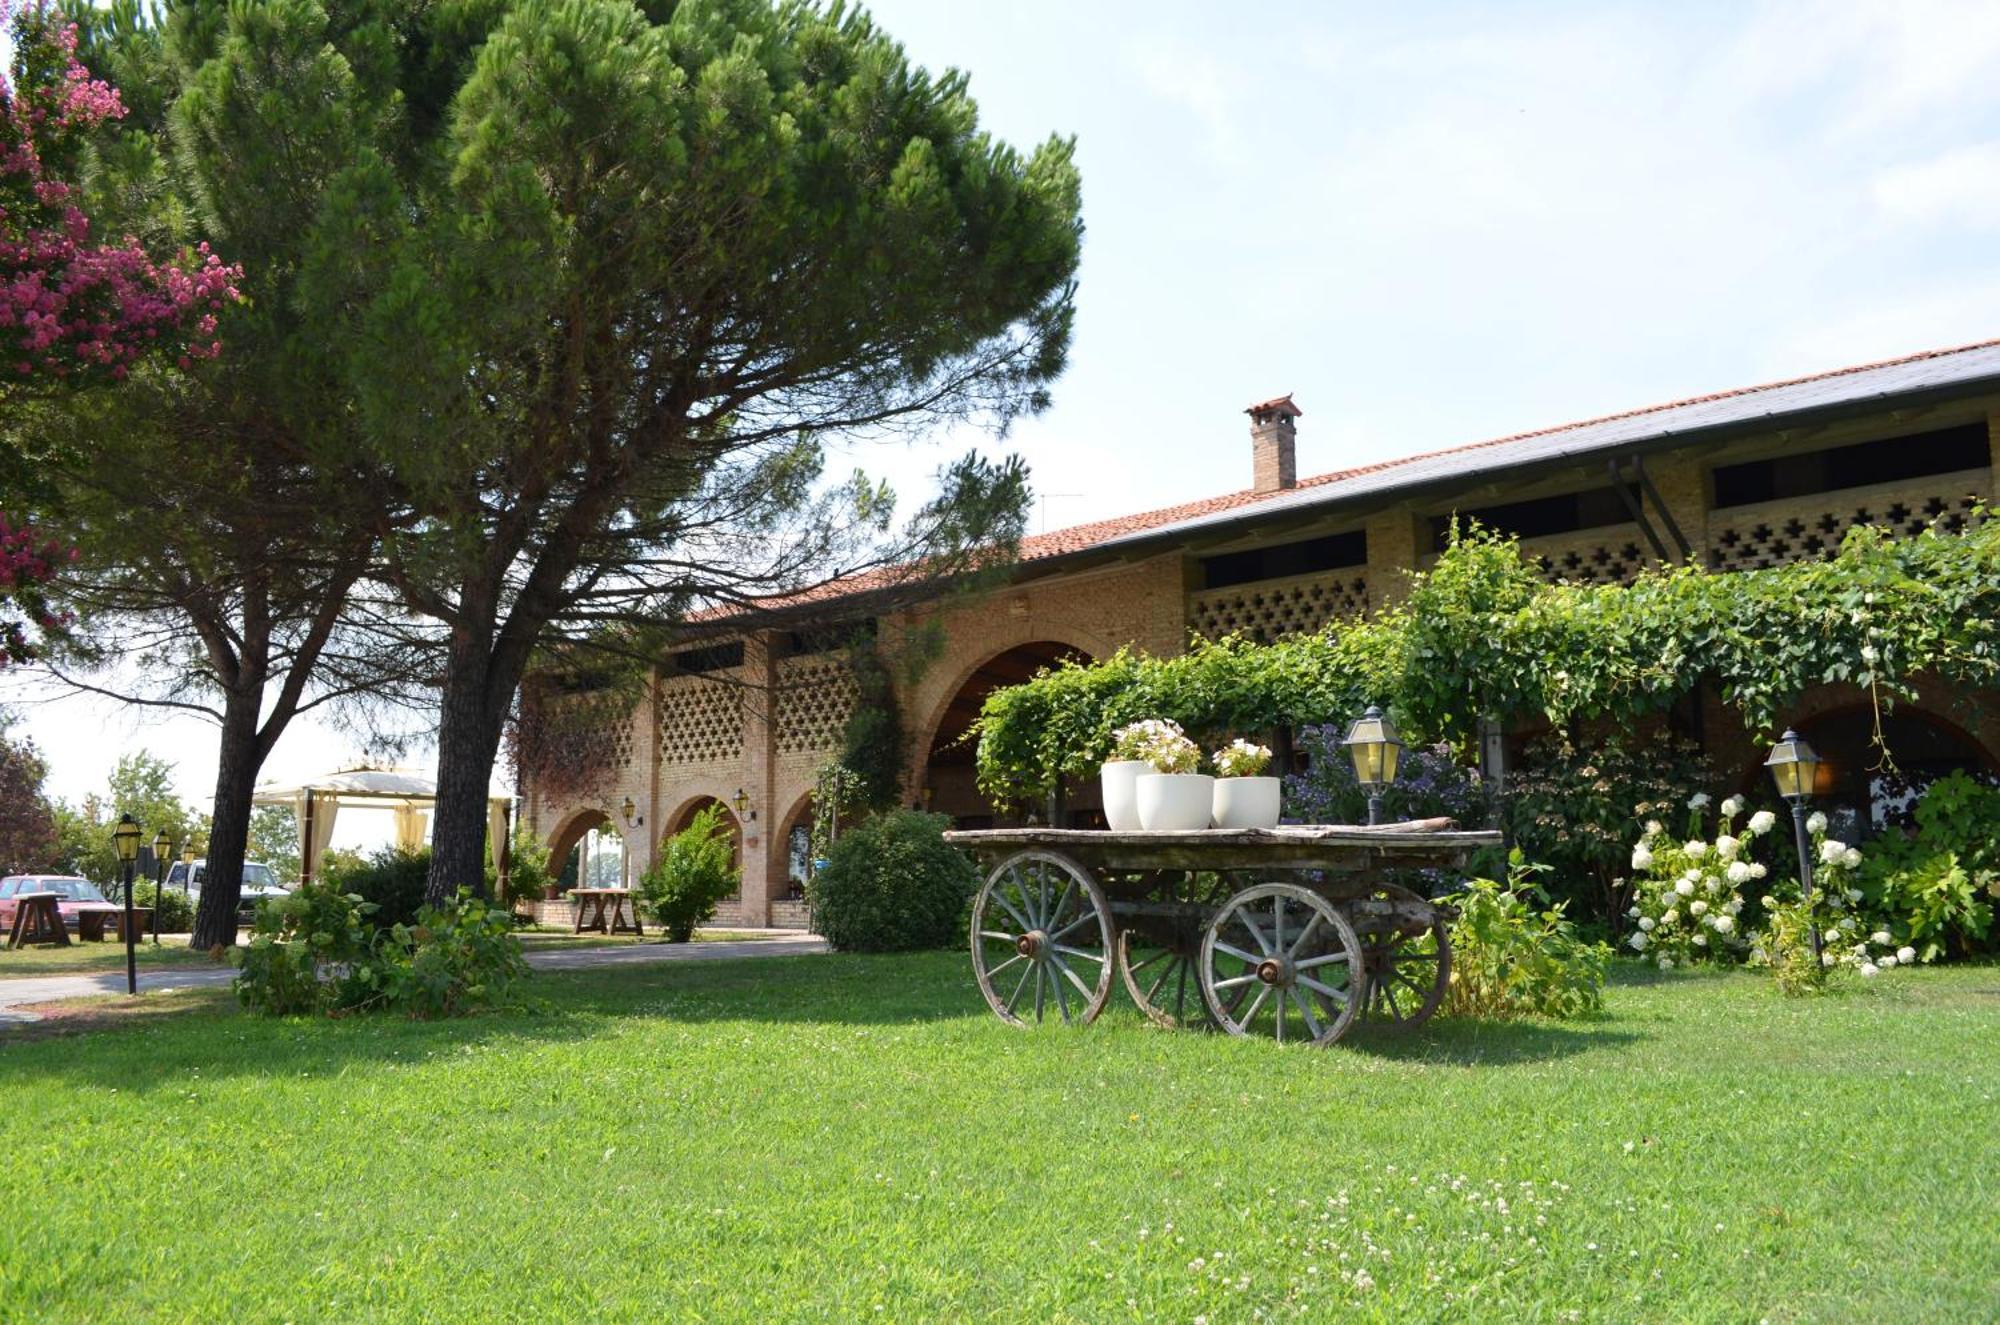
(701, 721)
(1774, 533)
(1273, 609)
(1604, 556)
(815, 697)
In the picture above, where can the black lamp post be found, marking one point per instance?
(160, 848)
(1795, 768)
(1375, 749)
(126, 837)
(187, 865)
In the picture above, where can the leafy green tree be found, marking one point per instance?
(676, 251)
(274, 839)
(27, 821)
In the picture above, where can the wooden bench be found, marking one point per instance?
(37, 920)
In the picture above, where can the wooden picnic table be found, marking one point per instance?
(595, 902)
(1292, 931)
(37, 920)
(98, 921)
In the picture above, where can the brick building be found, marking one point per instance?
(1736, 480)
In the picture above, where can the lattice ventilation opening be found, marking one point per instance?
(1616, 561)
(1756, 544)
(1276, 609)
(700, 721)
(814, 699)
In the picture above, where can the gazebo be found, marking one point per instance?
(408, 794)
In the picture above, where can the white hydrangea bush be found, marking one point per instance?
(1849, 938)
(1687, 892)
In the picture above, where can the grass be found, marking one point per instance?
(85, 958)
(848, 1138)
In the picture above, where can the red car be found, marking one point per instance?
(74, 896)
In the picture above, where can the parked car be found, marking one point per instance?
(74, 896)
(260, 882)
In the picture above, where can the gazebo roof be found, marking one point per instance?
(379, 786)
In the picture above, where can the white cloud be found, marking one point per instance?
(1961, 186)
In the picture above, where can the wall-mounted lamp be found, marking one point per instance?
(740, 802)
(631, 812)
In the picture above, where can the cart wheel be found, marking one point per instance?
(1278, 959)
(1163, 978)
(1039, 921)
(1408, 963)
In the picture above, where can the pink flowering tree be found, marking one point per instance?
(73, 309)
(71, 306)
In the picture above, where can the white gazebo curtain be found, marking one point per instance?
(409, 795)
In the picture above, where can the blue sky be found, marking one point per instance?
(1435, 224)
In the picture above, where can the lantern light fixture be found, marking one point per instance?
(1376, 749)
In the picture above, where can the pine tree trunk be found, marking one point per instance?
(470, 718)
(229, 827)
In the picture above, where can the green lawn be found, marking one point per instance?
(84, 958)
(831, 1138)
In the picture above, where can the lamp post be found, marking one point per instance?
(160, 848)
(1375, 748)
(187, 865)
(126, 837)
(1794, 767)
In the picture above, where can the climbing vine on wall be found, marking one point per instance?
(569, 739)
(1481, 634)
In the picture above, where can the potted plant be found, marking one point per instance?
(1244, 797)
(1172, 797)
(1120, 774)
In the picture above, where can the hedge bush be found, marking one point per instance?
(176, 909)
(892, 884)
(392, 880)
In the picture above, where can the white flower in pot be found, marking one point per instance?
(1244, 797)
(1172, 796)
(1131, 748)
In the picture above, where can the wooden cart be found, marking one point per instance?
(1289, 932)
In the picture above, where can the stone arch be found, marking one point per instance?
(945, 761)
(1924, 743)
(798, 818)
(685, 812)
(571, 829)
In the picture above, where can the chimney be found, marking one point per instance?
(1274, 462)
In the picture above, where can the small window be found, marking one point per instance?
(714, 658)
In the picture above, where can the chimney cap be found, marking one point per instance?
(1278, 405)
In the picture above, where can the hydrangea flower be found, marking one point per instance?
(1642, 859)
(1816, 822)
(1739, 872)
(1698, 801)
(1762, 822)
(1732, 807)
(1906, 954)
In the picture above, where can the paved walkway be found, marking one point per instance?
(49, 988)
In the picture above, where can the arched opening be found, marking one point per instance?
(685, 815)
(586, 851)
(1862, 792)
(949, 786)
(796, 841)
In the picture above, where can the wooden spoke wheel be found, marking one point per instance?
(1041, 940)
(1406, 955)
(1278, 959)
(1161, 972)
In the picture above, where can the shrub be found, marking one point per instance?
(1934, 887)
(1430, 784)
(1688, 895)
(891, 884)
(176, 909)
(458, 956)
(528, 877)
(1513, 953)
(392, 880)
(1571, 808)
(693, 873)
(303, 952)
(320, 950)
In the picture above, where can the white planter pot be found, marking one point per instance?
(1121, 793)
(1246, 802)
(1175, 802)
